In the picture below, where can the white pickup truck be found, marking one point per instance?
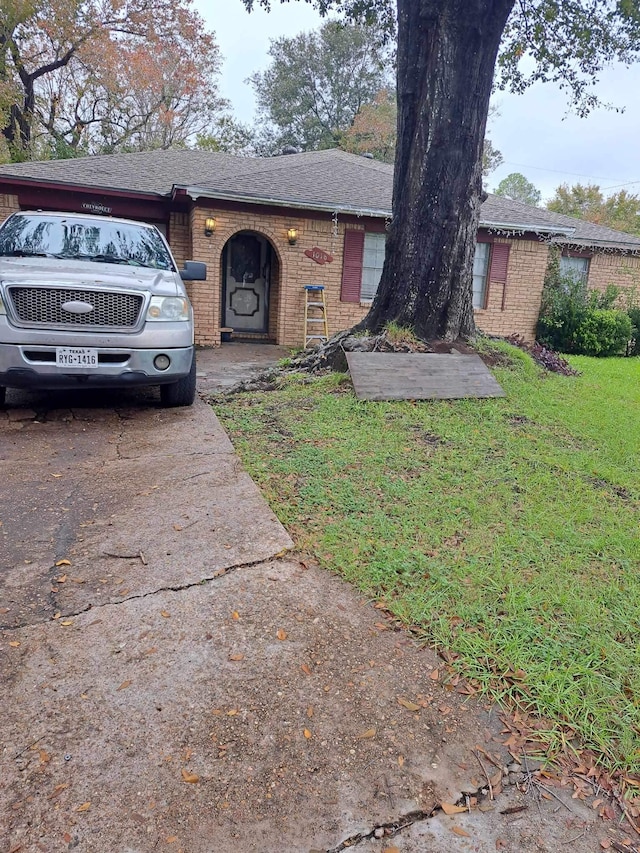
(94, 302)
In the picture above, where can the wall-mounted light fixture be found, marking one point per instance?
(209, 225)
(292, 236)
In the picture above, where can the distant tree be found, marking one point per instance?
(103, 75)
(228, 135)
(620, 210)
(491, 157)
(317, 83)
(374, 128)
(515, 186)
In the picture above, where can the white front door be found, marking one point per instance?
(247, 269)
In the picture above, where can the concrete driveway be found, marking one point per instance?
(174, 678)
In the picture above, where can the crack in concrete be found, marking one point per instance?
(219, 573)
(394, 827)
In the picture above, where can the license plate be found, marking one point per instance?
(76, 357)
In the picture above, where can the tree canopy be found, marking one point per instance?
(316, 84)
(515, 186)
(101, 75)
(620, 210)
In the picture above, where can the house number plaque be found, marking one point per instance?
(318, 255)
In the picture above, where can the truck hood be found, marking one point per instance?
(89, 274)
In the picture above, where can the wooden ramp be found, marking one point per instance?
(420, 376)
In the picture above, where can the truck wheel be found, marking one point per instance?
(3, 395)
(182, 392)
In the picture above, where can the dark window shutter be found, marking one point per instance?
(352, 265)
(499, 262)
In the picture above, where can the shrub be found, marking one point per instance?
(574, 320)
(603, 331)
(634, 337)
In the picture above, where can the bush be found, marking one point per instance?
(603, 331)
(634, 337)
(574, 320)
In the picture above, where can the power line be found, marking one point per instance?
(574, 175)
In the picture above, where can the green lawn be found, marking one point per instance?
(504, 530)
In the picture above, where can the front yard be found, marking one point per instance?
(505, 532)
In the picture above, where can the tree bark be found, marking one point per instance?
(447, 51)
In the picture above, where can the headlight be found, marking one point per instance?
(168, 308)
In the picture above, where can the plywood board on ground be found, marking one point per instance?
(420, 376)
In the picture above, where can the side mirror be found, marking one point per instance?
(193, 271)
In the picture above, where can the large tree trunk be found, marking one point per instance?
(447, 51)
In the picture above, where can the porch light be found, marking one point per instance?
(209, 225)
(292, 236)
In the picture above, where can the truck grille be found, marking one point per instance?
(42, 306)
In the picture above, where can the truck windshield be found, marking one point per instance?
(102, 241)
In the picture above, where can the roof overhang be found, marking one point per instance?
(195, 192)
(561, 231)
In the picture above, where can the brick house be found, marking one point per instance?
(267, 227)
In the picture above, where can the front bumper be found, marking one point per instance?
(33, 366)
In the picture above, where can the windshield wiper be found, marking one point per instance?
(23, 253)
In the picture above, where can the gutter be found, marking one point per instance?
(566, 231)
(195, 192)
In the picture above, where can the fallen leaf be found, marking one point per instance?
(63, 563)
(391, 850)
(449, 808)
(310, 711)
(368, 734)
(150, 651)
(400, 760)
(171, 838)
(236, 657)
(45, 758)
(434, 675)
(14, 644)
(232, 712)
(77, 580)
(58, 790)
(282, 634)
(188, 753)
(67, 622)
(190, 777)
(61, 579)
(307, 734)
(235, 615)
(177, 527)
(410, 706)
(56, 475)
(605, 844)
(66, 837)
(306, 669)
(125, 684)
(459, 831)
(84, 807)
(165, 613)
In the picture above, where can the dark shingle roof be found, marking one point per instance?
(327, 180)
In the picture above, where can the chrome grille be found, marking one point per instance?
(42, 306)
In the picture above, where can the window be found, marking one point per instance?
(480, 270)
(575, 268)
(372, 261)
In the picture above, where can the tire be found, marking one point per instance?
(182, 392)
(3, 396)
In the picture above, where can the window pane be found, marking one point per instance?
(575, 268)
(480, 270)
(372, 262)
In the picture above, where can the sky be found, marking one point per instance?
(535, 132)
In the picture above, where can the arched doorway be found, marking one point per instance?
(249, 266)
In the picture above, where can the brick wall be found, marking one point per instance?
(180, 237)
(513, 308)
(291, 269)
(8, 205)
(621, 270)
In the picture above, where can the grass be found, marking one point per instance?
(504, 530)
